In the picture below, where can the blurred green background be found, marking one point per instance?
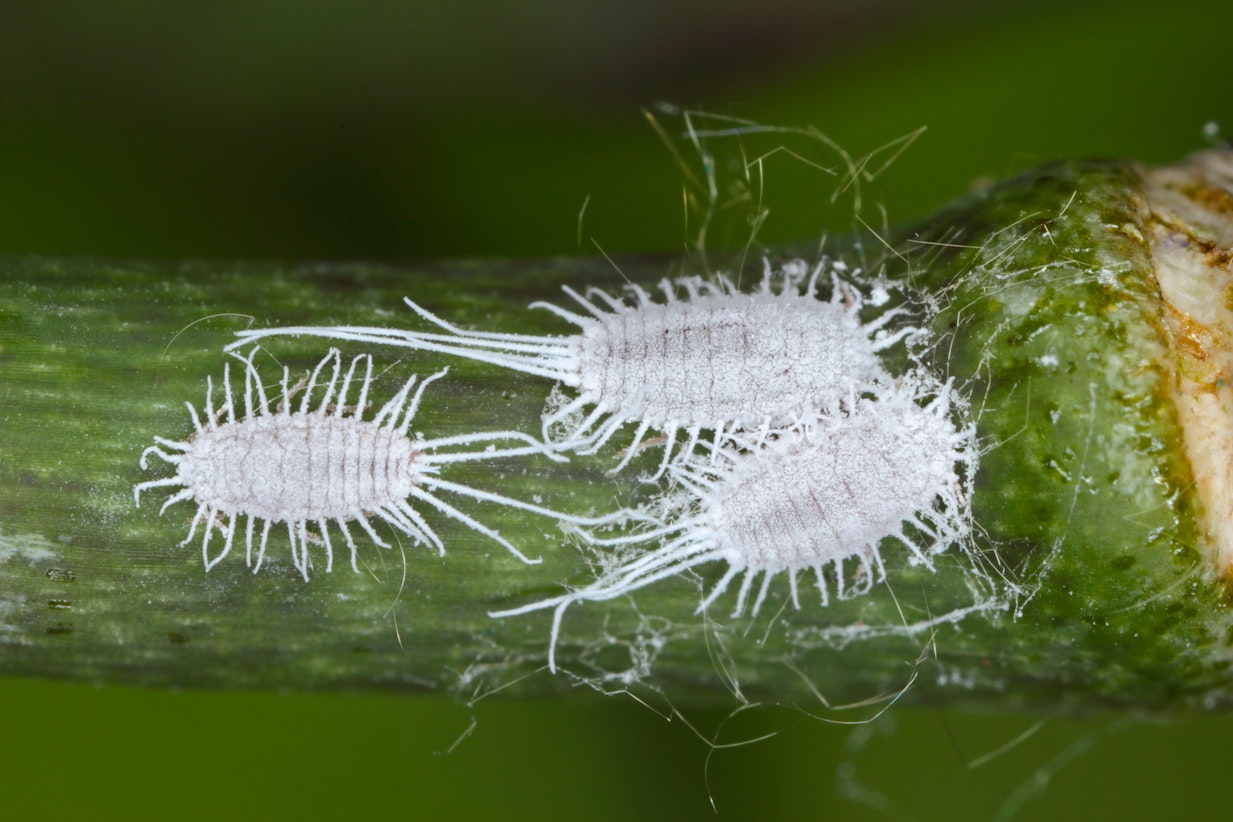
(327, 130)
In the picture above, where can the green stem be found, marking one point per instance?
(1085, 584)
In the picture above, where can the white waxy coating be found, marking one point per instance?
(297, 467)
(807, 501)
(736, 359)
(323, 465)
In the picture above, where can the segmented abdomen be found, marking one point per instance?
(800, 503)
(299, 467)
(722, 359)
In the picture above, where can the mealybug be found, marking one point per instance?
(717, 360)
(806, 498)
(323, 465)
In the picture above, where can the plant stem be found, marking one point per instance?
(1091, 580)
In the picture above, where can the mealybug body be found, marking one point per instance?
(322, 465)
(808, 498)
(717, 360)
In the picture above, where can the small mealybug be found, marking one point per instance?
(810, 498)
(324, 464)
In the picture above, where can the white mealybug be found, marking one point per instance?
(806, 498)
(717, 360)
(321, 465)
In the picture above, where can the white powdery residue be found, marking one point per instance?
(813, 498)
(31, 548)
(1108, 277)
(950, 675)
(8, 606)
